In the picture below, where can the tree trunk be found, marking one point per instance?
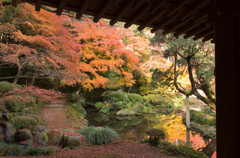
(17, 76)
(210, 148)
(188, 120)
(56, 84)
(78, 91)
(33, 79)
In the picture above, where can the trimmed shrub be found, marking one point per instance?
(23, 135)
(181, 151)
(135, 97)
(77, 98)
(14, 105)
(69, 142)
(12, 149)
(79, 108)
(50, 150)
(6, 86)
(99, 105)
(118, 96)
(34, 151)
(106, 109)
(99, 136)
(155, 135)
(24, 122)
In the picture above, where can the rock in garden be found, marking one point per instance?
(40, 129)
(42, 138)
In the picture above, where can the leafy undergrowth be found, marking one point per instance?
(74, 118)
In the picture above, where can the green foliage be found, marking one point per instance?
(69, 142)
(6, 2)
(181, 151)
(106, 108)
(155, 135)
(77, 98)
(22, 122)
(99, 105)
(34, 151)
(6, 87)
(50, 150)
(12, 149)
(14, 105)
(201, 118)
(135, 97)
(118, 96)
(78, 107)
(23, 135)
(8, 13)
(99, 136)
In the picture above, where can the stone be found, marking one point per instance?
(40, 129)
(9, 133)
(42, 138)
(125, 112)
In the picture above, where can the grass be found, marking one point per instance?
(74, 117)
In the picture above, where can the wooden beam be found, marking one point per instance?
(204, 33)
(195, 30)
(208, 37)
(175, 26)
(102, 10)
(14, 3)
(156, 5)
(196, 6)
(189, 27)
(137, 3)
(82, 8)
(164, 22)
(152, 18)
(136, 17)
(174, 7)
(38, 5)
(61, 7)
(121, 13)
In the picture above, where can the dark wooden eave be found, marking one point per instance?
(188, 17)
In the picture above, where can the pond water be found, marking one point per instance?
(135, 127)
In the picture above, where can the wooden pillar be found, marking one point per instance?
(227, 35)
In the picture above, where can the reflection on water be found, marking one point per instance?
(135, 127)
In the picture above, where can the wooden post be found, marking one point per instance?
(227, 36)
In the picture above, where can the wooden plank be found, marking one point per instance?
(191, 11)
(204, 33)
(38, 5)
(164, 22)
(61, 7)
(208, 37)
(152, 19)
(196, 30)
(102, 11)
(121, 13)
(137, 16)
(82, 8)
(189, 27)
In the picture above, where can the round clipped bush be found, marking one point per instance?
(14, 105)
(6, 86)
(79, 108)
(99, 136)
(135, 97)
(155, 135)
(99, 105)
(24, 122)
